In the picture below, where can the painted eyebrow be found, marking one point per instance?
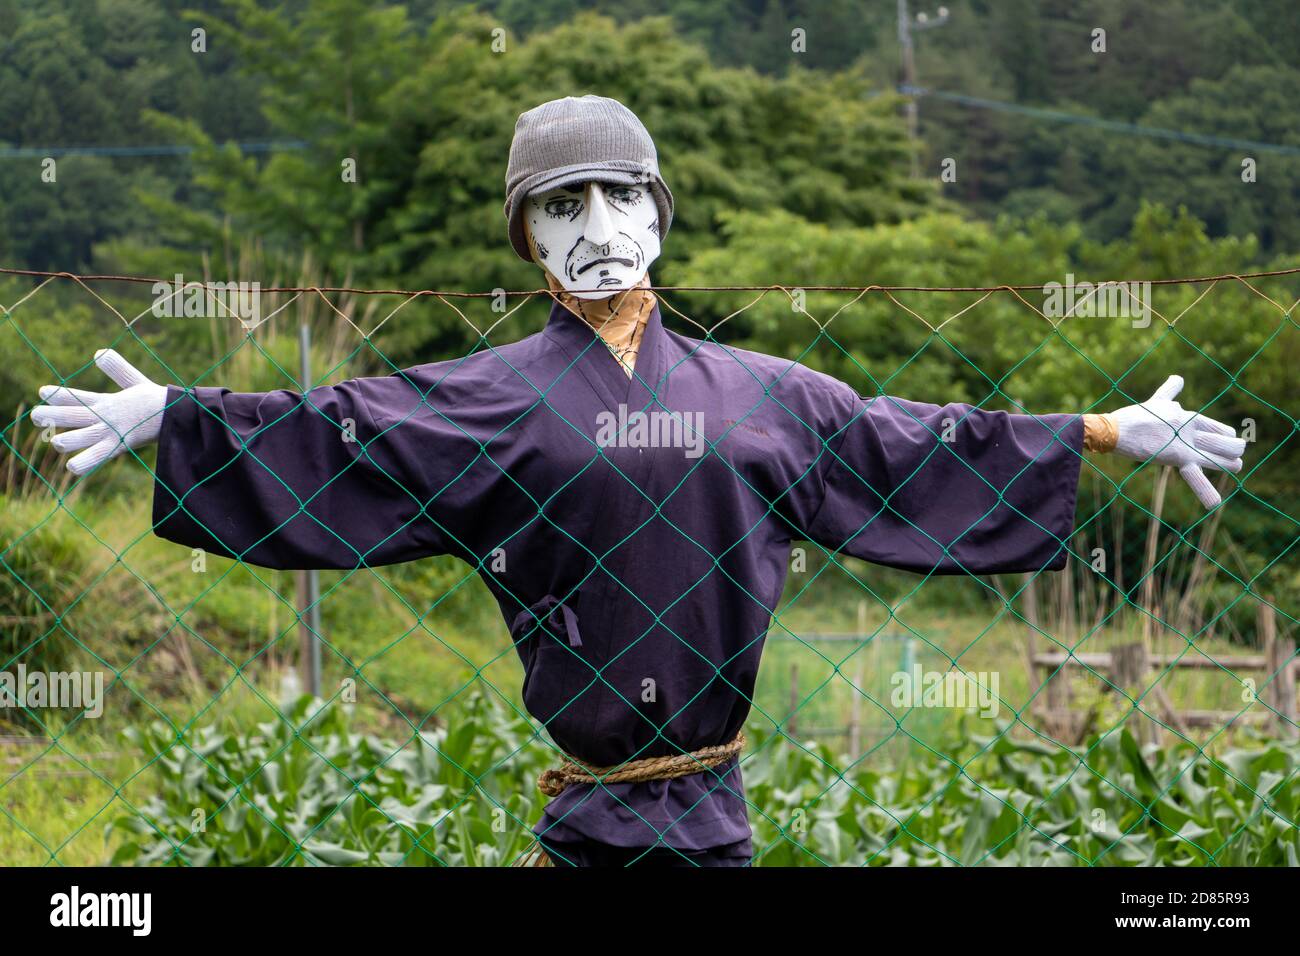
(546, 197)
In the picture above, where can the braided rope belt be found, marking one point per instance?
(571, 772)
(555, 781)
(534, 856)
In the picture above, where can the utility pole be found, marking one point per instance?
(906, 24)
(308, 582)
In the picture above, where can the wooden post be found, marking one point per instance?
(1286, 681)
(1148, 565)
(308, 582)
(1055, 705)
(1128, 670)
(1154, 607)
(1128, 665)
(792, 726)
(1281, 672)
(855, 716)
(1065, 596)
(1031, 637)
(855, 705)
(1059, 715)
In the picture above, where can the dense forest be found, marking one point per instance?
(418, 93)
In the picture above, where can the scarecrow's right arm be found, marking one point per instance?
(279, 479)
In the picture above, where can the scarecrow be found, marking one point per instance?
(639, 578)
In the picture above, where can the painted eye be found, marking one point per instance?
(564, 208)
(626, 195)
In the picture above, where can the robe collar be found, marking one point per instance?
(592, 359)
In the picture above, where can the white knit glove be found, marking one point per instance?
(1163, 430)
(105, 423)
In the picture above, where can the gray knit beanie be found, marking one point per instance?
(573, 140)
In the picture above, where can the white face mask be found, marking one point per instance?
(596, 239)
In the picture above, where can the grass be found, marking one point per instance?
(313, 791)
(208, 646)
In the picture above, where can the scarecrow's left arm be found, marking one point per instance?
(947, 489)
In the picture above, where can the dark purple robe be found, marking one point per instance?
(639, 580)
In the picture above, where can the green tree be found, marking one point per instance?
(431, 122)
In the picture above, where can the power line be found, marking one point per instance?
(1114, 126)
(975, 102)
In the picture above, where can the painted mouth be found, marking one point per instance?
(629, 263)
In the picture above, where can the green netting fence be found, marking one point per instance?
(1137, 707)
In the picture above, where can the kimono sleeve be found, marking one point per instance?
(284, 479)
(950, 488)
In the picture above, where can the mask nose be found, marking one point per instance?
(599, 227)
